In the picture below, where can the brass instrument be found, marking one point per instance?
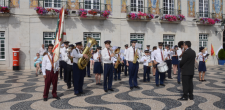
(82, 62)
(69, 51)
(135, 57)
(117, 51)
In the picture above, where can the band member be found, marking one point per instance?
(168, 55)
(133, 67)
(98, 70)
(50, 73)
(108, 66)
(148, 48)
(202, 56)
(154, 66)
(69, 62)
(146, 59)
(78, 74)
(117, 71)
(64, 64)
(158, 57)
(124, 60)
(92, 59)
(175, 59)
(180, 52)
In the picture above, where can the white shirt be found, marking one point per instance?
(147, 58)
(46, 64)
(106, 56)
(130, 53)
(200, 57)
(115, 59)
(64, 53)
(42, 51)
(179, 52)
(168, 54)
(76, 54)
(149, 50)
(124, 54)
(157, 55)
(95, 57)
(67, 60)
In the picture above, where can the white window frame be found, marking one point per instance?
(95, 4)
(139, 37)
(53, 3)
(1, 2)
(48, 36)
(137, 6)
(168, 40)
(168, 7)
(204, 8)
(2, 38)
(95, 35)
(203, 40)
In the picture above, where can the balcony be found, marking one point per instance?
(171, 16)
(93, 11)
(205, 18)
(135, 13)
(51, 8)
(5, 8)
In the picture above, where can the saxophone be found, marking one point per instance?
(118, 58)
(135, 57)
(82, 62)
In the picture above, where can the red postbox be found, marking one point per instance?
(16, 56)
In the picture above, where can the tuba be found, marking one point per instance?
(135, 57)
(117, 51)
(82, 62)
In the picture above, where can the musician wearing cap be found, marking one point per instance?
(78, 74)
(98, 70)
(108, 66)
(158, 57)
(148, 48)
(146, 59)
(124, 60)
(132, 55)
(117, 70)
(69, 61)
(168, 55)
(64, 64)
(50, 73)
(202, 56)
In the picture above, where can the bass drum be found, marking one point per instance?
(162, 67)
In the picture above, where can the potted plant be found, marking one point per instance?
(82, 13)
(105, 13)
(221, 56)
(207, 21)
(93, 12)
(4, 9)
(41, 11)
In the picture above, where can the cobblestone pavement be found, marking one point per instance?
(21, 90)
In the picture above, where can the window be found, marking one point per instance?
(2, 45)
(137, 5)
(203, 40)
(139, 38)
(168, 7)
(2, 3)
(96, 36)
(203, 8)
(168, 40)
(92, 4)
(48, 38)
(52, 3)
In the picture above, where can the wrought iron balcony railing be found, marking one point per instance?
(165, 11)
(205, 15)
(90, 6)
(137, 9)
(56, 4)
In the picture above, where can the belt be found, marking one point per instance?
(132, 61)
(108, 63)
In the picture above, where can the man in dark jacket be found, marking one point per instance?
(187, 67)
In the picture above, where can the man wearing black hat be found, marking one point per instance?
(133, 67)
(78, 74)
(117, 71)
(158, 57)
(168, 57)
(124, 60)
(148, 48)
(108, 66)
(64, 64)
(69, 61)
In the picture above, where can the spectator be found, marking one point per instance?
(37, 63)
(42, 50)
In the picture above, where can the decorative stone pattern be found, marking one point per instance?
(21, 90)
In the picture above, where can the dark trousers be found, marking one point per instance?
(88, 69)
(108, 76)
(78, 78)
(169, 64)
(157, 74)
(69, 74)
(117, 72)
(125, 65)
(51, 78)
(133, 70)
(187, 83)
(179, 71)
(147, 70)
(61, 67)
(64, 65)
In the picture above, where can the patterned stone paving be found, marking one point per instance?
(21, 90)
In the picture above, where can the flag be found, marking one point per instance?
(212, 51)
(59, 34)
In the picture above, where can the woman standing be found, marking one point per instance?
(92, 60)
(98, 70)
(202, 56)
(175, 59)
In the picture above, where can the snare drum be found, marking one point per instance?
(150, 64)
(162, 67)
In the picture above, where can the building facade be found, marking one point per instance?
(27, 30)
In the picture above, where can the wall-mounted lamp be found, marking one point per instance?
(222, 29)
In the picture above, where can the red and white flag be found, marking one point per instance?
(59, 34)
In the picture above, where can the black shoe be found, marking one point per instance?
(115, 79)
(45, 99)
(119, 79)
(148, 81)
(157, 85)
(57, 98)
(125, 75)
(81, 93)
(131, 88)
(137, 87)
(110, 89)
(99, 83)
(153, 75)
(144, 81)
(178, 82)
(106, 90)
(182, 99)
(162, 84)
(170, 78)
(203, 80)
(89, 76)
(61, 78)
(191, 97)
(76, 94)
(68, 87)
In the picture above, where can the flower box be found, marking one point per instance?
(5, 14)
(93, 18)
(139, 16)
(4, 9)
(172, 19)
(170, 22)
(207, 21)
(93, 14)
(49, 12)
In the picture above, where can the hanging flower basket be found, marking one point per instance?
(49, 11)
(140, 16)
(105, 14)
(209, 21)
(173, 18)
(82, 13)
